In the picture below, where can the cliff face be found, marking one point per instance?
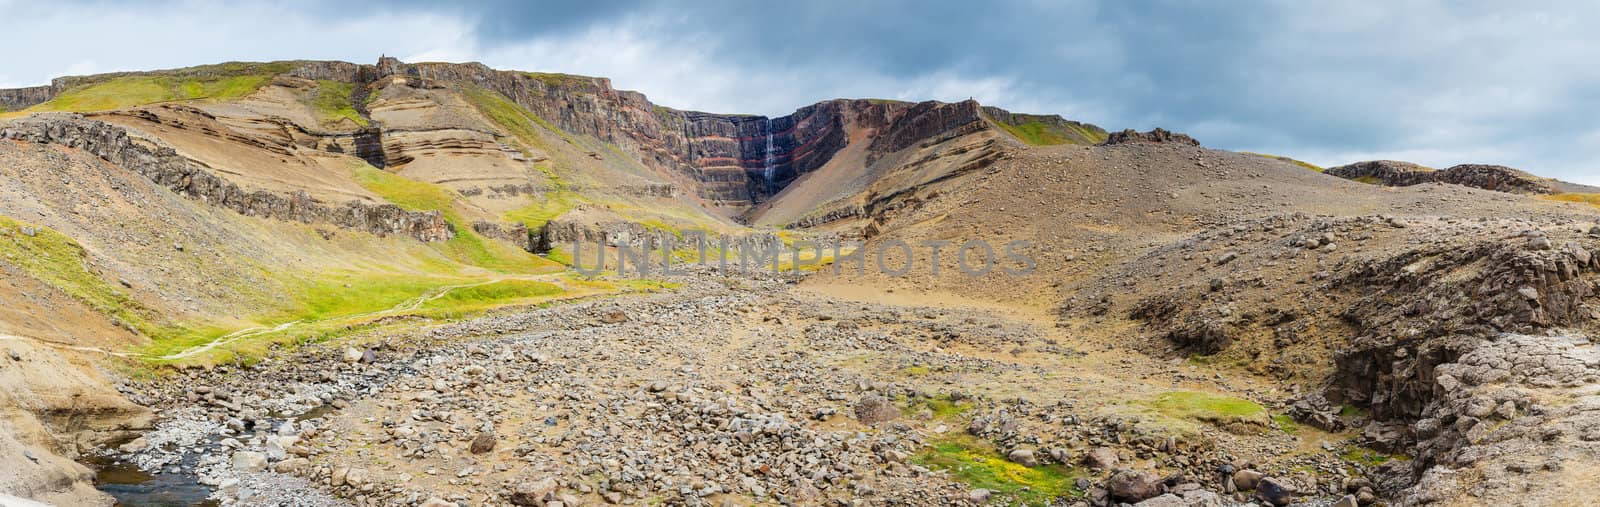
(732, 160)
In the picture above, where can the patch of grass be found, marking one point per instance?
(117, 93)
(1208, 407)
(1352, 411)
(915, 371)
(215, 82)
(942, 407)
(1590, 199)
(976, 464)
(1370, 180)
(555, 78)
(1300, 163)
(334, 104)
(1286, 423)
(1049, 130)
(59, 261)
(1364, 456)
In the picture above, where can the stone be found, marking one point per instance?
(1102, 458)
(133, 446)
(1246, 479)
(614, 317)
(874, 409)
(1347, 501)
(1134, 487)
(249, 461)
(1539, 243)
(979, 495)
(534, 493)
(1275, 491)
(1023, 457)
(483, 443)
(356, 477)
(337, 478)
(436, 502)
(1166, 500)
(351, 355)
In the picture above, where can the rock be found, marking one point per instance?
(337, 478)
(534, 492)
(874, 409)
(1158, 135)
(1246, 479)
(1227, 257)
(1167, 500)
(483, 443)
(351, 355)
(136, 445)
(1539, 243)
(291, 465)
(1134, 487)
(436, 502)
(249, 461)
(614, 317)
(979, 495)
(1274, 491)
(356, 477)
(1023, 457)
(1347, 501)
(1101, 458)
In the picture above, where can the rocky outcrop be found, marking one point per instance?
(516, 234)
(1154, 136)
(53, 409)
(184, 176)
(1403, 174)
(1068, 131)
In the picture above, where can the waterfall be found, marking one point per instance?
(766, 172)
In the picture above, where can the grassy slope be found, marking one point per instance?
(59, 261)
(216, 82)
(1034, 130)
(1590, 199)
(467, 247)
(333, 103)
(524, 127)
(1300, 163)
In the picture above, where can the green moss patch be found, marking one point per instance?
(979, 466)
(1368, 457)
(1207, 407)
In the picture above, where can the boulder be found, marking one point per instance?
(1134, 487)
(1024, 457)
(1246, 479)
(1275, 491)
(874, 409)
(249, 461)
(1101, 458)
(483, 443)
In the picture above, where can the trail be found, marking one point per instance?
(404, 306)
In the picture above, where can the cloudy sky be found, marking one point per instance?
(1438, 83)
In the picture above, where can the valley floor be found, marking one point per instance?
(733, 390)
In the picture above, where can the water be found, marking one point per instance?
(132, 487)
(768, 161)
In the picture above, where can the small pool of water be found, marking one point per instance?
(136, 488)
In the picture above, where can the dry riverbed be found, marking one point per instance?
(732, 391)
